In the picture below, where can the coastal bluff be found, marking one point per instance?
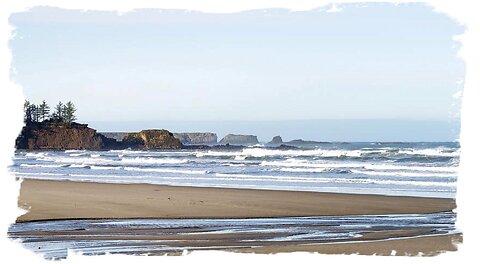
(57, 136)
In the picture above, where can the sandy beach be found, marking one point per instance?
(82, 200)
(55, 200)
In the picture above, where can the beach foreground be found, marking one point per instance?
(57, 200)
(47, 200)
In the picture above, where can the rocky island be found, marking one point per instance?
(58, 136)
(152, 139)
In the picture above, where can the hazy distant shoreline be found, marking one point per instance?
(348, 130)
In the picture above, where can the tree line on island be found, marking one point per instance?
(62, 113)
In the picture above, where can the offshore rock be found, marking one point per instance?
(197, 138)
(152, 139)
(276, 140)
(244, 140)
(59, 136)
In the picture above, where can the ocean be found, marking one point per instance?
(407, 168)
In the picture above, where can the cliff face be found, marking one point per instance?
(197, 138)
(152, 139)
(60, 137)
(245, 140)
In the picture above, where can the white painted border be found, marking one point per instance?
(11, 100)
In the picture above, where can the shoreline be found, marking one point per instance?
(61, 200)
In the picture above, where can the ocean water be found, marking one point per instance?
(53, 239)
(410, 169)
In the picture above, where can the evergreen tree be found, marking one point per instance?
(27, 110)
(35, 113)
(69, 113)
(58, 112)
(44, 111)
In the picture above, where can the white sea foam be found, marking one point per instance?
(262, 152)
(166, 170)
(296, 163)
(304, 169)
(74, 150)
(139, 160)
(78, 154)
(42, 165)
(452, 169)
(76, 160)
(240, 177)
(439, 152)
(403, 174)
(78, 166)
(106, 167)
(35, 155)
(310, 164)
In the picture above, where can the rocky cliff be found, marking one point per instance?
(197, 138)
(55, 136)
(152, 139)
(245, 140)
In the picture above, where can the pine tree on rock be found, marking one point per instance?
(58, 112)
(27, 109)
(44, 111)
(69, 113)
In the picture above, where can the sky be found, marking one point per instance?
(376, 72)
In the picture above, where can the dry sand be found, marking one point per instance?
(80, 200)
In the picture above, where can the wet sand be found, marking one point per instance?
(426, 246)
(47, 200)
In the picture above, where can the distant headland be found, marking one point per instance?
(57, 130)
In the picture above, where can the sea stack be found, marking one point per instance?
(196, 138)
(276, 140)
(58, 136)
(244, 140)
(152, 139)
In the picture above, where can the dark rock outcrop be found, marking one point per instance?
(197, 138)
(118, 136)
(152, 139)
(245, 140)
(57, 136)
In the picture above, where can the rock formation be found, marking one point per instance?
(245, 140)
(276, 140)
(152, 139)
(57, 136)
(118, 136)
(300, 142)
(197, 138)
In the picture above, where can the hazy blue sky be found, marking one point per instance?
(377, 61)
